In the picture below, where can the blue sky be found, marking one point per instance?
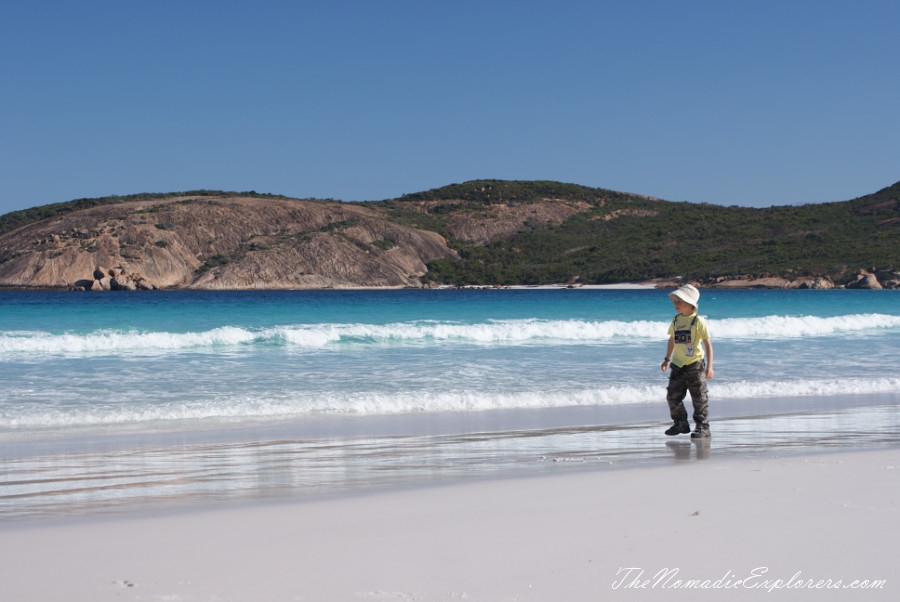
(752, 103)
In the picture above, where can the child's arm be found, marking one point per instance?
(707, 345)
(670, 347)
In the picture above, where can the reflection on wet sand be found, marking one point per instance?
(254, 465)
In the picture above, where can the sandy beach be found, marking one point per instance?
(800, 527)
(461, 446)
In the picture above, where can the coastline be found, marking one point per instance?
(819, 526)
(731, 282)
(93, 472)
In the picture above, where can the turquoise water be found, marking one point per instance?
(158, 376)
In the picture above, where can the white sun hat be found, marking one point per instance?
(687, 293)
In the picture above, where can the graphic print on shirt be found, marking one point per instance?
(683, 337)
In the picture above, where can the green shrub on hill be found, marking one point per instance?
(631, 238)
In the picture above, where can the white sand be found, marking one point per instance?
(555, 538)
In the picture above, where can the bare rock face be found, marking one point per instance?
(866, 281)
(752, 282)
(218, 243)
(769, 281)
(815, 283)
(888, 278)
(503, 220)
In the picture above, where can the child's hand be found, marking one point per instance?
(665, 366)
(709, 373)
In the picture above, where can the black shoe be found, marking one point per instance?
(701, 432)
(679, 428)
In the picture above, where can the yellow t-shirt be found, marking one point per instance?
(689, 332)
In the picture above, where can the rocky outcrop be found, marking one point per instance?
(868, 281)
(218, 243)
(113, 279)
(871, 280)
(769, 281)
(876, 280)
(814, 282)
(752, 282)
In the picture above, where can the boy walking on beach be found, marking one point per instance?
(689, 354)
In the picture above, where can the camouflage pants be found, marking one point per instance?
(681, 380)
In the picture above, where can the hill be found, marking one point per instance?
(485, 232)
(543, 232)
(213, 241)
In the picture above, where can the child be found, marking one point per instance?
(689, 345)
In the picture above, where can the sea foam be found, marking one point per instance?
(370, 403)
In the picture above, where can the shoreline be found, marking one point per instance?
(724, 283)
(755, 526)
(121, 473)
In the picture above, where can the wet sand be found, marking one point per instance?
(800, 527)
(798, 499)
(91, 473)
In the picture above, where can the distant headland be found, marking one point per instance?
(486, 233)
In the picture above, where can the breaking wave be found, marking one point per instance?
(370, 403)
(496, 333)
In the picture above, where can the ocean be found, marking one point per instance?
(121, 401)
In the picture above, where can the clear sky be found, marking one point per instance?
(755, 103)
